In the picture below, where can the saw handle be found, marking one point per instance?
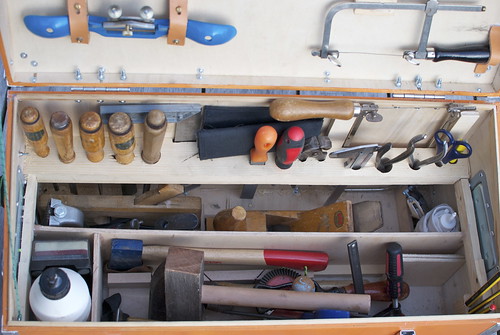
(289, 109)
(477, 54)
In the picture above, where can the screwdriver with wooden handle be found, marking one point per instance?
(290, 109)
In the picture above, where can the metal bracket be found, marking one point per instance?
(485, 223)
(454, 114)
(493, 330)
(430, 8)
(357, 156)
(366, 111)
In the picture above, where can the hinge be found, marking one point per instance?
(100, 89)
(417, 96)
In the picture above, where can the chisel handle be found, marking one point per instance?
(476, 54)
(394, 269)
(265, 138)
(289, 109)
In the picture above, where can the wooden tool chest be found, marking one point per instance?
(278, 51)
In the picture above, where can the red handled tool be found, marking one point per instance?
(289, 147)
(265, 138)
(394, 271)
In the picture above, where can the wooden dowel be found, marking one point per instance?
(121, 136)
(155, 127)
(231, 219)
(248, 297)
(62, 132)
(35, 132)
(92, 136)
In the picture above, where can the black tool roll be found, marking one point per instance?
(230, 131)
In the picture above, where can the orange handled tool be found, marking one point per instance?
(265, 138)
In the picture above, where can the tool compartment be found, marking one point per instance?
(275, 54)
(441, 268)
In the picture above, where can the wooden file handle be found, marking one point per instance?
(288, 109)
(250, 297)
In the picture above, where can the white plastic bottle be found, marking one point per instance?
(60, 294)
(441, 218)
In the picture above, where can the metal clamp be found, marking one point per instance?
(384, 164)
(128, 24)
(357, 156)
(368, 111)
(416, 164)
(60, 215)
(454, 114)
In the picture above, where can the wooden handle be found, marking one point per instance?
(248, 297)
(378, 291)
(231, 219)
(92, 136)
(62, 132)
(121, 136)
(155, 127)
(35, 132)
(315, 261)
(288, 109)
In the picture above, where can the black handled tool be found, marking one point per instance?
(394, 271)
(476, 54)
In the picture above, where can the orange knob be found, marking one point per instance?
(265, 138)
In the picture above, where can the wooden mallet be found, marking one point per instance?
(177, 292)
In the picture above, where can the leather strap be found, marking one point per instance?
(494, 51)
(178, 22)
(78, 21)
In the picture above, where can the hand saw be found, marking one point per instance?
(200, 32)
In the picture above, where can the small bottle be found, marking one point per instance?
(92, 136)
(121, 136)
(60, 294)
(155, 127)
(62, 132)
(35, 132)
(441, 218)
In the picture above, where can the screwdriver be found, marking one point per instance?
(289, 147)
(394, 271)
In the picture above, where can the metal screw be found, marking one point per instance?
(327, 78)
(418, 82)
(100, 101)
(178, 9)
(176, 41)
(23, 55)
(439, 83)
(123, 75)
(114, 12)
(34, 78)
(79, 39)
(479, 90)
(488, 68)
(34, 63)
(477, 75)
(122, 101)
(200, 72)
(78, 74)
(398, 82)
(78, 7)
(20, 153)
(78, 101)
(146, 13)
(100, 73)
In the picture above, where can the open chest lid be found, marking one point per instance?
(254, 44)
